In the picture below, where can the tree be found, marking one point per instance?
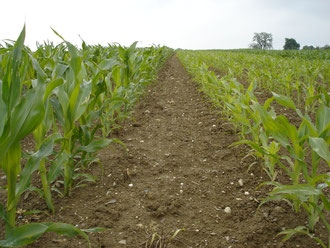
(254, 46)
(308, 47)
(262, 41)
(291, 44)
(326, 47)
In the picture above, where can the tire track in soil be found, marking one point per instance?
(179, 173)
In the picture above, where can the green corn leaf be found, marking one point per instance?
(58, 111)
(48, 120)
(309, 127)
(23, 235)
(298, 190)
(38, 69)
(56, 167)
(319, 178)
(107, 64)
(76, 60)
(252, 144)
(132, 48)
(284, 100)
(253, 85)
(29, 233)
(86, 178)
(59, 70)
(303, 130)
(271, 126)
(326, 202)
(81, 101)
(3, 112)
(72, 105)
(300, 229)
(320, 147)
(325, 134)
(96, 145)
(94, 115)
(62, 110)
(289, 129)
(11, 161)
(273, 198)
(27, 116)
(290, 232)
(322, 118)
(116, 99)
(3, 214)
(11, 90)
(75, 65)
(115, 75)
(51, 86)
(32, 165)
(57, 33)
(32, 212)
(65, 229)
(268, 102)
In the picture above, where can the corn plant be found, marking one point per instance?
(39, 136)
(22, 113)
(71, 103)
(308, 137)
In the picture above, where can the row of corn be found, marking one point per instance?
(69, 100)
(300, 79)
(301, 152)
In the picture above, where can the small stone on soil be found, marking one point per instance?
(122, 242)
(110, 202)
(227, 210)
(240, 182)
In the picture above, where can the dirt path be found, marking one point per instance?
(179, 173)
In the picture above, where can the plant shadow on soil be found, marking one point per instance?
(179, 172)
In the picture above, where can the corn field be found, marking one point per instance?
(71, 101)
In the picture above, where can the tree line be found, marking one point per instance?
(264, 40)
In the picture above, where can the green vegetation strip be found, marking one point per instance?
(70, 100)
(266, 132)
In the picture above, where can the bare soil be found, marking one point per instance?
(179, 172)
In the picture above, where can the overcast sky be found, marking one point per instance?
(188, 24)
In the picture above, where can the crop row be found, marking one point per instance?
(301, 79)
(70, 100)
(301, 152)
(322, 54)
